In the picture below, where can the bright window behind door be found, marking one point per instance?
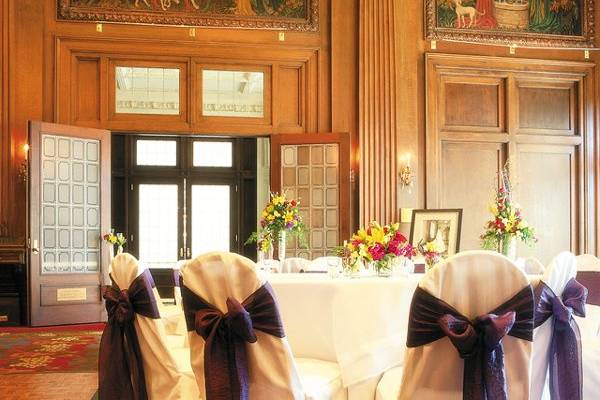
(211, 220)
(158, 230)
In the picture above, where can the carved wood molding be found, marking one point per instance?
(66, 11)
(508, 37)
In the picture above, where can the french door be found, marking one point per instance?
(69, 209)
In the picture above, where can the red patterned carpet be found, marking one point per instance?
(50, 350)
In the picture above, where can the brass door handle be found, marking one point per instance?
(35, 249)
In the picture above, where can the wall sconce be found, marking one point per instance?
(406, 172)
(24, 167)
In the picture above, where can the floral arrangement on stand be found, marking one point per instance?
(115, 239)
(431, 252)
(380, 246)
(507, 223)
(279, 217)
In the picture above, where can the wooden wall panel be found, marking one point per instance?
(469, 188)
(547, 107)
(290, 98)
(546, 124)
(476, 102)
(547, 189)
(377, 112)
(85, 97)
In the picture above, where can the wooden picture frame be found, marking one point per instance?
(511, 22)
(235, 14)
(448, 233)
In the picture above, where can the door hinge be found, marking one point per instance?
(131, 187)
(131, 238)
(181, 253)
(352, 176)
(236, 188)
(189, 253)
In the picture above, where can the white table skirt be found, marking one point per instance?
(360, 323)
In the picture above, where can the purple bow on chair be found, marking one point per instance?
(226, 335)
(565, 348)
(120, 367)
(478, 342)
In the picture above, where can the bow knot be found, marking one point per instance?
(239, 321)
(469, 338)
(124, 309)
(565, 347)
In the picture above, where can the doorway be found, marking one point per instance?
(175, 197)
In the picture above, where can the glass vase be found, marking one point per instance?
(508, 247)
(119, 249)
(384, 267)
(281, 246)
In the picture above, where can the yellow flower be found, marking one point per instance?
(289, 216)
(264, 214)
(270, 218)
(493, 208)
(276, 213)
(270, 208)
(278, 200)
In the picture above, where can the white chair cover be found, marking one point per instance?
(561, 269)
(533, 266)
(591, 372)
(588, 262)
(217, 276)
(168, 373)
(295, 265)
(322, 264)
(474, 283)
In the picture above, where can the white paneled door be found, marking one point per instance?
(69, 210)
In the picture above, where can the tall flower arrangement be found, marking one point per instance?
(279, 215)
(113, 239)
(507, 223)
(379, 245)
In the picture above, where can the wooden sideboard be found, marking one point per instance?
(13, 283)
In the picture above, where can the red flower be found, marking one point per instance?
(293, 203)
(394, 247)
(399, 237)
(377, 252)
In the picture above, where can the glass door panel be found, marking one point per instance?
(211, 218)
(158, 237)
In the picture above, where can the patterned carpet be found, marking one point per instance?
(45, 350)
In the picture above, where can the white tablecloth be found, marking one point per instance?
(360, 323)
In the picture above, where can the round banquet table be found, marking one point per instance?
(359, 323)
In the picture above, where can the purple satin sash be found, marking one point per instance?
(566, 372)
(176, 276)
(591, 280)
(225, 363)
(478, 342)
(120, 367)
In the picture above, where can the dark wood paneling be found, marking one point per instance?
(543, 140)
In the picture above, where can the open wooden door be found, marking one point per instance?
(69, 209)
(315, 169)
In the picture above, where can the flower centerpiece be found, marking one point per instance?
(115, 239)
(280, 216)
(377, 245)
(507, 223)
(431, 252)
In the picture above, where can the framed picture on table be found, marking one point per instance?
(442, 226)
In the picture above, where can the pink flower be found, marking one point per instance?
(400, 237)
(394, 247)
(377, 252)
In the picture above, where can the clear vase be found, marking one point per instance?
(384, 267)
(281, 246)
(508, 247)
(265, 255)
(119, 250)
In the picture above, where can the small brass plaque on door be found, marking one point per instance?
(71, 294)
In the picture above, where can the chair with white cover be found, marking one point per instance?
(557, 341)
(295, 265)
(456, 301)
(223, 297)
(323, 264)
(533, 266)
(134, 355)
